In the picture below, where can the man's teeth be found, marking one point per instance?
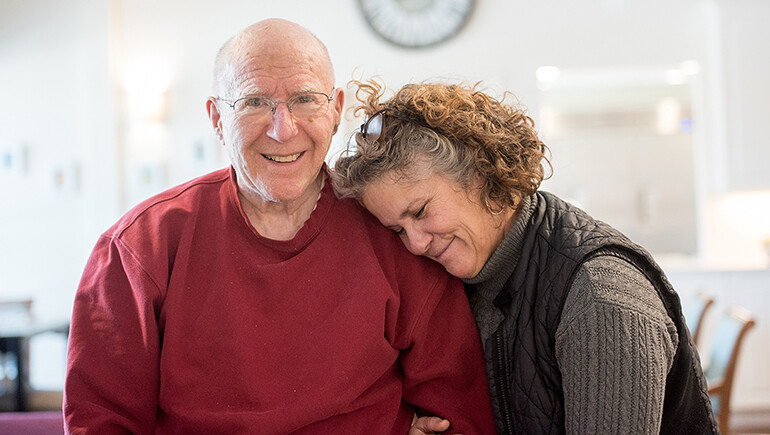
(283, 159)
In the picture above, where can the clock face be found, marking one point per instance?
(416, 23)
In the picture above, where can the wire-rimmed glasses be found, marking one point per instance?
(369, 130)
(372, 128)
(303, 105)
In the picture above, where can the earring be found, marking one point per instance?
(489, 208)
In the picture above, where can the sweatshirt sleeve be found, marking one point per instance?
(112, 376)
(444, 369)
(615, 345)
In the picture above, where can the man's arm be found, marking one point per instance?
(444, 368)
(615, 345)
(113, 352)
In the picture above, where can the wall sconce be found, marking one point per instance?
(146, 85)
(668, 116)
(546, 75)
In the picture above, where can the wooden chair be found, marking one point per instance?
(695, 310)
(18, 326)
(11, 312)
(725, 348)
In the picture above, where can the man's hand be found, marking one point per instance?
(428, 425)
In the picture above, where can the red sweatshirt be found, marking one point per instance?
(187, 320)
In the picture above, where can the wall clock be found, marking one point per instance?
(416, 23)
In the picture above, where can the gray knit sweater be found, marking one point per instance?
(614, 345)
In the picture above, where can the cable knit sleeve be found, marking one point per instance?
(615, 345)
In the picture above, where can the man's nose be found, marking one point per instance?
(282, 124)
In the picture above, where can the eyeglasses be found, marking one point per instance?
(372, 128)
(303, 105)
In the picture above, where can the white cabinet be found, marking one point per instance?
(739, 91)
(623, 150)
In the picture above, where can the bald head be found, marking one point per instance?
(273, 41)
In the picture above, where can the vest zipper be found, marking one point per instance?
(501, 383)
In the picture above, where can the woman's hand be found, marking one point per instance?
(428, 425)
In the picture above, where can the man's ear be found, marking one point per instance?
(215, 117)
(339, 104)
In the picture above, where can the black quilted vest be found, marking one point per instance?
(526, 387)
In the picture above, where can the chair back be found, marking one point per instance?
(725, 348)
(15, 310)
(12, 314)
(695, 309)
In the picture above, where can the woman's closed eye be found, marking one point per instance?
(420, 212)
(417, 215)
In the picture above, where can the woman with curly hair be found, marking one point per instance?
(582, 331)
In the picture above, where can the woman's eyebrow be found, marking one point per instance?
(410, 207)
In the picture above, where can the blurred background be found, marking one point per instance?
(655, 112)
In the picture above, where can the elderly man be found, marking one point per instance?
(252, 300)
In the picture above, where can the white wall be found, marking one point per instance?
(56, 112)
(64, 70)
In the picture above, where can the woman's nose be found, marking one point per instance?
(283, 126)
(416, 241)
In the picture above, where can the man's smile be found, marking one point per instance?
(283, 159)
